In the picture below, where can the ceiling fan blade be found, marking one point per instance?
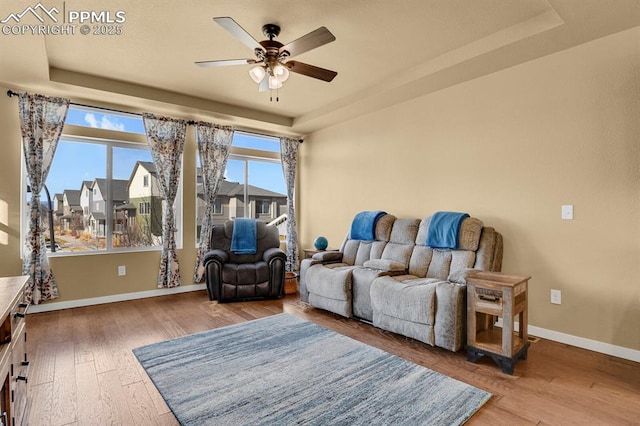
(264, 84)
(238, 32)
(225, 62)
(314, 39)
(311, 71)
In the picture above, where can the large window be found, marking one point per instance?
(254, 184)
(106, 190)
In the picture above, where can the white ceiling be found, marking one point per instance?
(386, 51)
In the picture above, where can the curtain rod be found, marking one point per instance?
(11, 93)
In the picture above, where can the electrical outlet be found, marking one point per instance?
(556, 297)
(122, 270)
(567, 212)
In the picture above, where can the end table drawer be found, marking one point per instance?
(491, 299)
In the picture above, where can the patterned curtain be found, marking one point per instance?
(166, 138)
(289, 154)
(41, 122)
(213, 146)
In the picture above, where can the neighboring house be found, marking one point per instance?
(263, 204)
(58, 207)
(93, 195)
(71, 218)
(144, 195)
(124, 216)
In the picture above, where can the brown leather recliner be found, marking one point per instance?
(233, 277)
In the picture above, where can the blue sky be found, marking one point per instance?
(74, 162)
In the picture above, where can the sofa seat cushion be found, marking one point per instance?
(405, 297)
(245, 273)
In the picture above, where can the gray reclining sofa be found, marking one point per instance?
(398, 283)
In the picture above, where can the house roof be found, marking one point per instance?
(127, 206)
(147, 165)
(72, 196)
(119, 188)
(235, 189)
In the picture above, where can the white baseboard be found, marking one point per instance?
(56, 306)
(580, 342)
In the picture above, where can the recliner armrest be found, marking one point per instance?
(216, 255)
(328, 256)
(273, 253)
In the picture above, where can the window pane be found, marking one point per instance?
(137, 203)
(105, 193)
(78, 210)
(79, 116)
(247, 140)
(265, 195)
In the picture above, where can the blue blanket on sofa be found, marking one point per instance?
(244, 239)
(444, 228)
(364, 225)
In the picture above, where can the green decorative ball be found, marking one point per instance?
(321, 243)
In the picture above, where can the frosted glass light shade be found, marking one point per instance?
(257, 74)
(274, 83)
(281, 73)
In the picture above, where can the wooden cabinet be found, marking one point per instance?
(14, 363)
(491, 295)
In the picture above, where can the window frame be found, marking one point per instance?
(245, 155)
(112, 139)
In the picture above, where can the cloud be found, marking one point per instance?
(104, 123)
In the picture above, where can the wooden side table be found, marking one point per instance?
(491, 295)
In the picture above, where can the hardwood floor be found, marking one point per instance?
(84, 373)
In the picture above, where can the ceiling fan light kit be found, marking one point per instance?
(272, 67)
(257, 73)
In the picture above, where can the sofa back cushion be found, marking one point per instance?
(402, 241)
(356, 252)
(266, 236)
(439, 263)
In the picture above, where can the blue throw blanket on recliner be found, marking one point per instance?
(364, 225)
(243, 239)
(444, 228)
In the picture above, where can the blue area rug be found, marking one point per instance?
(284, 370)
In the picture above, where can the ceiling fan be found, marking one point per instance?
(272, 57)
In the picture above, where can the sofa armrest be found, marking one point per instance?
(328, 256)
(450, 322)
(460, 276)
(385, 265)
(273, 253)
(217, 255)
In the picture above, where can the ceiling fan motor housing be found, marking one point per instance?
(271, 30)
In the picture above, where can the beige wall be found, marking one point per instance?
(510, 148)
(80, 277)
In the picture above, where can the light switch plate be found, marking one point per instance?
(567, 212)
